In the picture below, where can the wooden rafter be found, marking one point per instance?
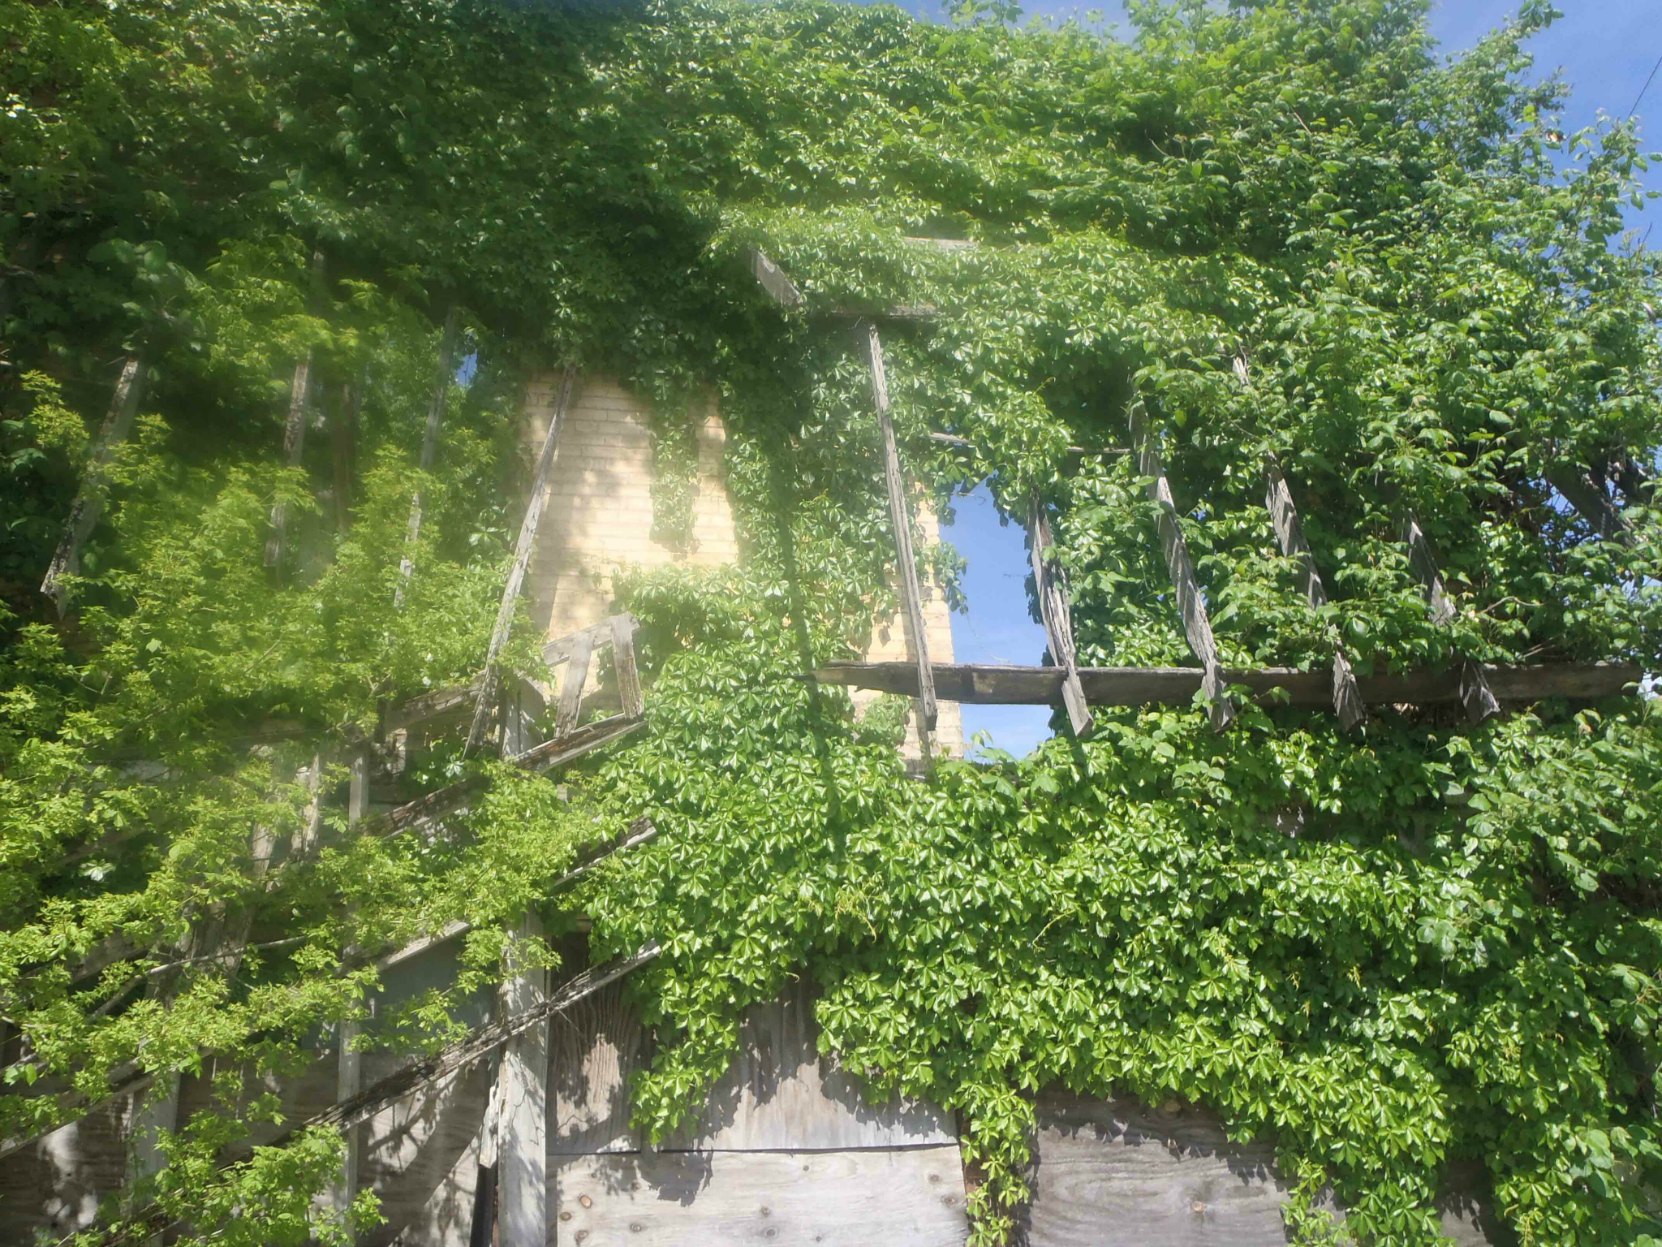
(294, 427)
(1197, 625)
(88, 506)
(1056, 613)
(429, 445)
(1289, 533)
(523, 550)
(1475, 693)
(900, 517)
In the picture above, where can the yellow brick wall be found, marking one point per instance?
(599, 519)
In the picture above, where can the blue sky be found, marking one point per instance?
(1605, 50)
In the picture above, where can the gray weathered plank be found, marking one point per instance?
(429, 444)
(778, 1093)
(774, 280)
(1582, 492)
(1116, 1172)
(88, 506)
(992, 684)
(594, 1048)
(1055, 612)
(521, 1119)
(623, 663)
(964, 443)
(1475, 694)
(1197, 625)
(294, 427)
(522, 560)
(1289, 533)
(572, 680)
(53, 1189)
(902, 1197)
(900, 517)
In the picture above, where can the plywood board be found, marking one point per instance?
(51, 1189)
(779, 1092)
(902, 1197)
(1113, 1172)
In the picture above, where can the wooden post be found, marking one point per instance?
(349, 1062)
(429, 446)
(623, 662)
(89, 499)
(1057, 616)
(522, 559)
(1475, 693)
(294, 428)
(344, 443)
(1197, 625)
(521, 1151)
(1278, 498)
(900, 517)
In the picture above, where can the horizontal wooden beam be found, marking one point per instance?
(992, 684)
(964, 443)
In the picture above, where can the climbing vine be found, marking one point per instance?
(1285, 225)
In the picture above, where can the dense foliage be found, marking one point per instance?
(1286, 225)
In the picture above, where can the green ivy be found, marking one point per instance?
(1423, 950)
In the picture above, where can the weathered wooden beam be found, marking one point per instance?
(343, 445)
(584, 740)
(348, 1060)
(417, 1075)
(964, 443)
(945, 244)
(1590, 502)
(774, 280)
(623, 663)
(575, 676)
(900, 517)
(778, 286)
(1289, 533)
(992, 684)
(1197, 625)
(1475, 693)
(294, 428)
(523, 549)
(513, 1137)
(1057, 616)
(88, 506)
(429, 445)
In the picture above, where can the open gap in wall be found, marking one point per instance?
(998, 626)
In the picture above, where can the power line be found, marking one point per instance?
(1644, 88)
